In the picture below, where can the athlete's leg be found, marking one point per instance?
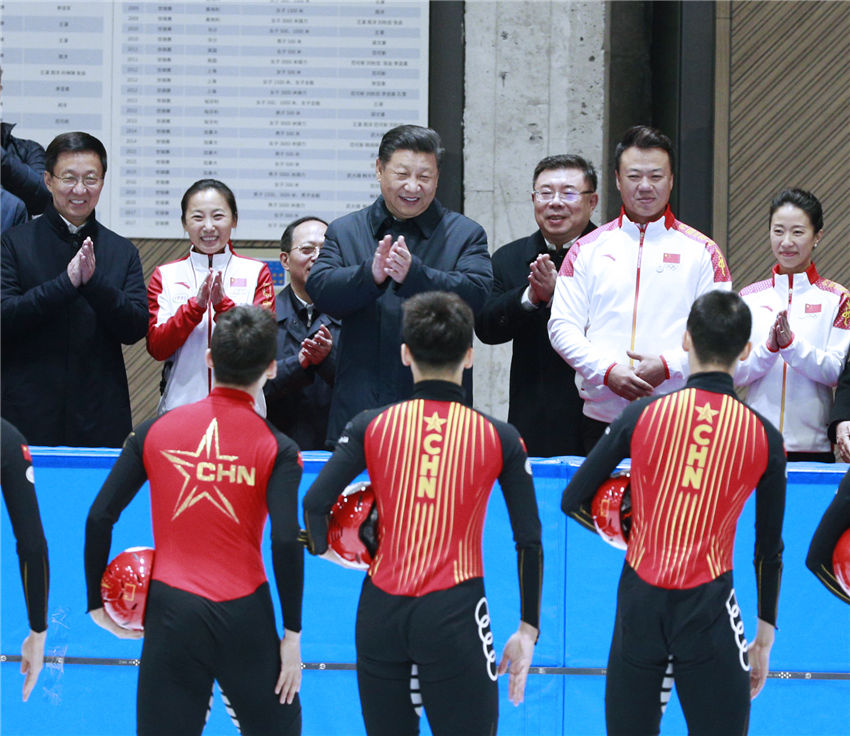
(451, 642)
(712, 669)
(248, 664)
(175, 676)
(637, 662)
(384, 668)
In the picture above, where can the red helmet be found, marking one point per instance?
(841, 561)
(352, 525)
(124, 587)
(612, 511)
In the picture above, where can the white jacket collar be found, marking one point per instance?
(201, 261)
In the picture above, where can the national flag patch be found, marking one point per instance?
(813, 308)
(672, 258)
(238, 282)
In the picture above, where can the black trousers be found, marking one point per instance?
(591, 431)
(436, 649)
(811, 457)
(701, 630)
(190, 642)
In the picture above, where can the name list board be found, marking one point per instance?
(284, 101)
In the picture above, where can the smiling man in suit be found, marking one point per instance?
(544, 402)
(299, 397)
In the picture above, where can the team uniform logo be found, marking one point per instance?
(204, 469)
(429, 461)
(737, 627)
(669, 262)
(482, 621)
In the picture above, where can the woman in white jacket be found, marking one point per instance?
(801, 332)
(185, 297)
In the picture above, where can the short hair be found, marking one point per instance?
(567, 161)
(644, 136)
(437, 328)
(202, 185)
(720, 324)
(410, 138)
(243, 344)
(74, 142)
(286, 238)
(803, 200)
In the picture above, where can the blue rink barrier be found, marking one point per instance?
(88, 687)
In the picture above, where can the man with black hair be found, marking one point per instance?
(72, 293)
(217, 469)
(544, 402)
(432, 462)
(624, 291)
(697, 454)
(298, 399)
(404, 243)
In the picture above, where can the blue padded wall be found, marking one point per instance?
(579, 593)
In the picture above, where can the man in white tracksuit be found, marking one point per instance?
(624, 291)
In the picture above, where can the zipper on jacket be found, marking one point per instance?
(210, 315)
(642, 228)
(784, 364)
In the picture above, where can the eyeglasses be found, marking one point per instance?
(570, 196)
(70, 182)
(308, 250)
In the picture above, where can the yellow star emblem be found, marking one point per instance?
(706, 413)
(192, 491)
(435, 423)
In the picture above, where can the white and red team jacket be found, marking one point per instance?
(179, 330)
(793, 387)
(629, 286)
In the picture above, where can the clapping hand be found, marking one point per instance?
(81, 267)
(315, 349)
(398, 260)
(216, 289)
(203, 296)
(379, 259)
(541, 278)
(782, 329)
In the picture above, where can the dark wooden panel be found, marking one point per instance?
(789, 126)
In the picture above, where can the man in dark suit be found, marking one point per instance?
(298, 399)
(372, 260)
(544, 402)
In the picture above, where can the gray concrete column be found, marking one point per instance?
(534, 86)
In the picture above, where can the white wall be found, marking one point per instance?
(535, 86)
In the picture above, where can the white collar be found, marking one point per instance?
(566, 246)
(73, 229)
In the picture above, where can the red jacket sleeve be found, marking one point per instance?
(263, 294)
(164, 339)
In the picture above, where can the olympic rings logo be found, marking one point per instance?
(482, 620)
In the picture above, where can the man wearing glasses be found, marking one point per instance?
(298, 399)
(72, 293)
(544, 402)
(624, 292)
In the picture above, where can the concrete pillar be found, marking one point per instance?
(534, 86)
